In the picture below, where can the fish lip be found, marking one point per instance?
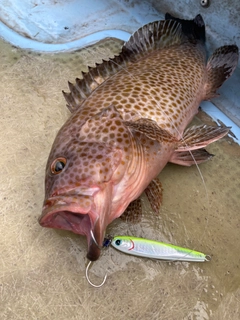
(60, 212)
(62, 201)
(57, 209)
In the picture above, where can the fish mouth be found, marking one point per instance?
(76, 214)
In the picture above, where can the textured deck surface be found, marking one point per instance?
(42, 271)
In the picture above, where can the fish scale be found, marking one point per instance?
(128, 120)
(158, 89)
(160, 98)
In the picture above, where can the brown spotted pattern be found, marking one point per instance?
(165, 86)
(128, 116)
(101, 144)
(107, 142)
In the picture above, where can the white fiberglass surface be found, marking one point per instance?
(51, 26)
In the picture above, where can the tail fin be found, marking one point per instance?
(193, 29)
(220, 66)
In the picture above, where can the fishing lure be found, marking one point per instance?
(156, 250)
(149, 249)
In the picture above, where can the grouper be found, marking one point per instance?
(128, 120)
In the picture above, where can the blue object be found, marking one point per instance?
(69, 25)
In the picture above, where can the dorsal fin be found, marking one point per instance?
(155, 35)
(193, 29)
(92, 79)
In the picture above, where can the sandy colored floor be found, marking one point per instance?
(42, 271)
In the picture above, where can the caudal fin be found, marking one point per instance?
(220, 66)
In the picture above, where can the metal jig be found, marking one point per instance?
(90, 282)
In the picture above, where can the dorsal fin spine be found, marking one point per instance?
(79, 88)
(154, 35)
(158, 34)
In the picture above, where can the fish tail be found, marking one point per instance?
(220, 66)
(193, 29)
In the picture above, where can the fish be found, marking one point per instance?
(129, 118)
(156, 250)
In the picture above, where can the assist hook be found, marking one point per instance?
(88, 266)
(90, 282)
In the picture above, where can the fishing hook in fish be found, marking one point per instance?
(95, 241)
(90, 282)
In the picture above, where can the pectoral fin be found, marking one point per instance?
(151, 129)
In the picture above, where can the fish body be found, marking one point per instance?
(156, 250)
(128, 120)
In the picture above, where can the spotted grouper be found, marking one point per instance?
(129, 119)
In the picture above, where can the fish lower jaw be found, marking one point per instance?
(68, 213)
(72, 219)
(66, 218)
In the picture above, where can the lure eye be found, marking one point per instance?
(58, 165)
(118, 242)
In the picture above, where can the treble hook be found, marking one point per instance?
(90, 282)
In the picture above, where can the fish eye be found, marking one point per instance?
(118, 242)
(58, 165)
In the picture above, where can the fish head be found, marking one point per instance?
(82, 173)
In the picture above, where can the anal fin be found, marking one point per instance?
(154, 193)
(187, 158)
(133, 213)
